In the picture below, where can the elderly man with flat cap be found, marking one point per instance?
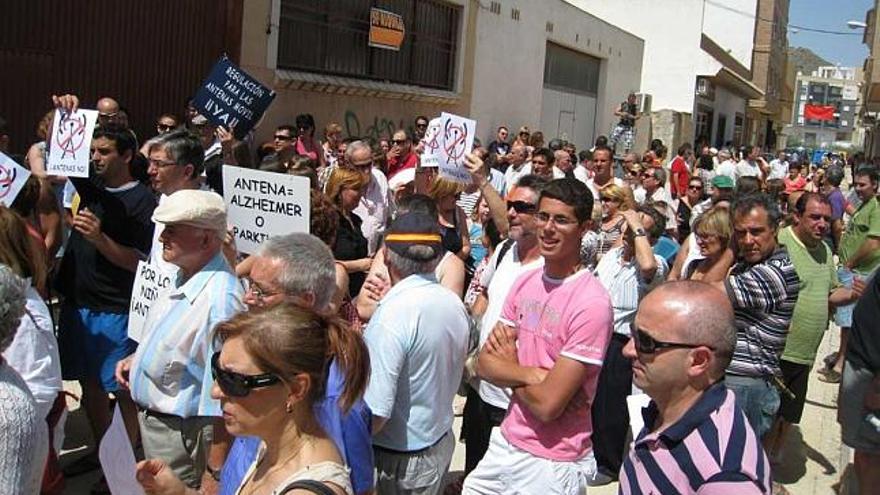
(417, 340)
(168, 375)
(695, 439)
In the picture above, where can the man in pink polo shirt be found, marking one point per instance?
(548, 347)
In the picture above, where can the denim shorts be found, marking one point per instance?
(757, 398)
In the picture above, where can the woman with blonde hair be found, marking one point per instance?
(614, 200)
(268, 377)
(453, 221)
(345, 187)
(705, 248)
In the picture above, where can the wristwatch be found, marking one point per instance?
(639, 232)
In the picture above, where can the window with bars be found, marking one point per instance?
(330, 37)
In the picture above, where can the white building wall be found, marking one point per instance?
(731, 24)
(728, 104)
(509, 63)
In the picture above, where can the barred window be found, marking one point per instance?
(330, 37)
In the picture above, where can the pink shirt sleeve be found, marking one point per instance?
(589, 332)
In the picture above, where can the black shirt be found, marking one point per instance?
(863, 349)
(631, 109)
(351, 245)
(88, 279)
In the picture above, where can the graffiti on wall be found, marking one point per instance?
(375, 129)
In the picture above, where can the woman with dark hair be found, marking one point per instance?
(305, 139)
(268, 377)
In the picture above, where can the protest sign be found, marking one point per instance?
(117, 458)
(232, 98)
(12, 179)
(263, 204)
(457, 140)
(148, 283)
(386, 29)
(70, 143)
(432, 143)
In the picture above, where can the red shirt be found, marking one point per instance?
(681, 175)
(400, 163)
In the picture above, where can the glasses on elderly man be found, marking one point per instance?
(259, 294)
(236, 384)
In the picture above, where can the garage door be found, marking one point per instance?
(569, 101)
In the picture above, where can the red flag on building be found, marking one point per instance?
(819, 112)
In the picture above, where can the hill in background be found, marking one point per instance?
(804, 60)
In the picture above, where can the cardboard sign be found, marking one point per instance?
(117, 458)
(70, 142)
(456, 141)
(386, 29)
(232, 98)
(12, 179)
(262, 204)
(149, 282)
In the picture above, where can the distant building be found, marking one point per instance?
(827, 86)
(871, 87)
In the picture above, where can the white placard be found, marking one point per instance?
(117, 459)
(457, 138)
(261, 204)
(149, 282)
(635, 404)
(12, 179)
(70, 142)
(433, 142)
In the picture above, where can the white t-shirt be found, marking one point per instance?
(34, 353)
(498, 284)
(726, 168)
(511, 175)
(746, 168)
(591, 183)
(778, 169)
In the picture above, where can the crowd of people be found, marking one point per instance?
(545, 292)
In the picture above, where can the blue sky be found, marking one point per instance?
(832, 15)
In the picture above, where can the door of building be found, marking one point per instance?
(569, 102)
(722, 128)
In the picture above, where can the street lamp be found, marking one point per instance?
(856, 25)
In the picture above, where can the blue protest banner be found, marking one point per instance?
(232, 98)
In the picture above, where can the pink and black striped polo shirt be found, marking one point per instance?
(711, 449)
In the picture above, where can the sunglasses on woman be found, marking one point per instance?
(645, 344)
(236, 384)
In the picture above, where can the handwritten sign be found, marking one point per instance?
(149, 282)
(456, 140)
(12, 179)
(261, 204)
(69, 143)
(386, 29)
(433, 143)
(117, 458)
(232, 98)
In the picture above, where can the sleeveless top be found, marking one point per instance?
(326, 471)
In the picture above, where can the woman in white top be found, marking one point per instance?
(267, 377)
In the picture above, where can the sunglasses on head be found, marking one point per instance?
(645, 344)
(237, 385)
(521, 206)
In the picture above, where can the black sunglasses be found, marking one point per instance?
(645, 344)
(521, 206)
(237, 385)
(399, 142)
(282, 137)
(164, 127)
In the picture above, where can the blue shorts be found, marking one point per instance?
(91, 343)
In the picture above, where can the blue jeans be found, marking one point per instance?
(757, 398)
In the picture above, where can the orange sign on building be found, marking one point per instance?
(386, 29)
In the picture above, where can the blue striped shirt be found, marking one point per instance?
(171, 370)
(711, 449)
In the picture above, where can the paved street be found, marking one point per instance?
(812, 460)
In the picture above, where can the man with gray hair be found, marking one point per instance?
(169, 375)
(299, 269)
(375, 206)
(683, 339)
(417, 339)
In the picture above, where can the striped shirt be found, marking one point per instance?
(711, 449)
(763, 296)
(171, 372)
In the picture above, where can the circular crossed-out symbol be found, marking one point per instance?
(71, 134)
(456, 135)
(7, 178)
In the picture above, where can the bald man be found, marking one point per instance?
(564, 166)
(695, 438)
(109, 112)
